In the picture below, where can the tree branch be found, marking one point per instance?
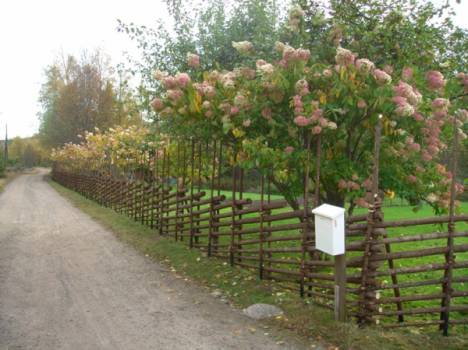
(458, 96)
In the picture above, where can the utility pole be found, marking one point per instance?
(5, 150)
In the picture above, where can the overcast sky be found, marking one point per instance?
(34, 32)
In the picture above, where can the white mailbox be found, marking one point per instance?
(329, 229)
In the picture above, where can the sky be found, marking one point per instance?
(34, 32)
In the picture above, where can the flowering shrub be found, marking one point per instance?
(270, 110)
(119, 149)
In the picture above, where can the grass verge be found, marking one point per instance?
(242, 288)
(8, 177)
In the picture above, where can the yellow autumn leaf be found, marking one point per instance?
(198, 102)
(323, 99)
(238, 132)
(342, 73)
(195, 102)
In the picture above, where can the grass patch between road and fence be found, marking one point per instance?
(242, 288)
(8, 176)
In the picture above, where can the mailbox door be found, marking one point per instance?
(324, 234)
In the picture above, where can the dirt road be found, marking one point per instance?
(67, 283)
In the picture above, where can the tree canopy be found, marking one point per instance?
(79, 95)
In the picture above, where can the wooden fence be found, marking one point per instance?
(416, 277)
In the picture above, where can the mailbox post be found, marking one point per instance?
(330, 239)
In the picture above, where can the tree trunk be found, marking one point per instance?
(335, 198)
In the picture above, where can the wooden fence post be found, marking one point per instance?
(449, 256)
(340, 287)
(367, 295)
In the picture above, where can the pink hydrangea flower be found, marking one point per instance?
(266, 68)
(193, 60)
(174, 95)
(426, 156)
(169, 82)
(413, 96)
(342, 184)
(158, 75)
(298, 105)
(279, 46)
(283, 63)
(182, 79)
(301, 121)
(243, 47)
(459, 188)
(240, 100)
(405, 110)
(367, 184)
(209, 91)
(382, 77)
(433, 150)
(432, 198)
(441, 169)
(297, 101)
(303, 54)
(332, 125)
(344, 57)
(157, 104)
(327, 73)
(316, 130)
(266, 113)
(399, 100)
(302, 87)
(289, 149)
(416, 147)
(248, 73)
(298, 110)
(361, 202)
(440, 103)
(420, 169)
(462, 115)
(418, 117)
(388, 69)
(435, 80)
(316, 115)
(407, 74)
(234, 110)
(323, 122)
(364, 65)
(206, 105)
(294, 18)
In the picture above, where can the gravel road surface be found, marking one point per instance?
(68, 283)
